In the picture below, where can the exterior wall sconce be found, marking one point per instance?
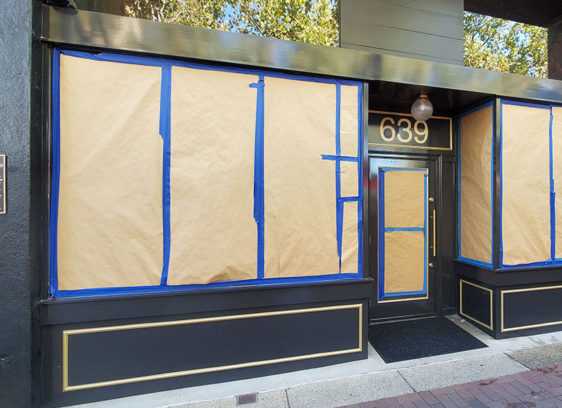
(422, 108)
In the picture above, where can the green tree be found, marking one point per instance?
(309, 21)
(506, 46)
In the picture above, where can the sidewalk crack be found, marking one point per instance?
(407, 382)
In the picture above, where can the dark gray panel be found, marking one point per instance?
(447, 7)
(406, 17)
(15, 267)
(372, 35)
(402, 54)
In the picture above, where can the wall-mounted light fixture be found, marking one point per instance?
(422, 108)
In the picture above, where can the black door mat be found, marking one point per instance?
(411, 339)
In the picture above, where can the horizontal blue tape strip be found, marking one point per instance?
(530, 105)
(390, 229)
(474, 262)
(395, 294)
(476, 109)
(542, 263)
(348, 199)
(187, 288)
(159, 62)
(389, 169)
(340, 158)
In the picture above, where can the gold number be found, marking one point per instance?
(407, 130)
(387, 127)
(424, 132)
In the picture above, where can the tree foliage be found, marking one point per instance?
(310, 21)
(506, 46)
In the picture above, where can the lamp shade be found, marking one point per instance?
(422, 108)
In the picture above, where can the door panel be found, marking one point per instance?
(402, 209)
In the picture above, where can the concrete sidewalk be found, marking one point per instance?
(365, 380)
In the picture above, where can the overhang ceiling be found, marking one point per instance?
(536, 12)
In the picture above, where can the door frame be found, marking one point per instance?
(385, 310)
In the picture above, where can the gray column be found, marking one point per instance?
(16, 284)
(555, 50)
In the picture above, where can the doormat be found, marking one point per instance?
(411, 339)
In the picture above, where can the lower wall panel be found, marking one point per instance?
(510, 303)
(114, 359)
(531, 308)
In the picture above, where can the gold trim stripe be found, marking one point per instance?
(490, 291)
(531, 326)
(67, 333)
(450, 148)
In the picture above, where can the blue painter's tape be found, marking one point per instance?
(426, 232)
(209, 286)
(53, 223)
(474, 262)
(166, 134)
(339, 203)
(500, 221)
(412, 293)
(340, 158)
(492, 181)
(389, 229)
(387, 169)
(552, 193)
(165, 131)
(476, 109)
(360, 178)
(381, 234)
(259, 194)
(160, 62)
(459, 180)
(382, 229)
(527, 104)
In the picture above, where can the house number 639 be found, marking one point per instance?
(403, 130)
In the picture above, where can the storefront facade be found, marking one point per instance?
(209, 206)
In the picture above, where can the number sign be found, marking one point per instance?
(402, 130)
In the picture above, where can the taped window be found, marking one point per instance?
(172, 174)
(525, 184)
(475, 186)
(109, 230)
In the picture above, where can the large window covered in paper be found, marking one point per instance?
(525, 184)
(475, 185)
(170, 175)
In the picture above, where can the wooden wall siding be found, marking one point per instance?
(429, 29)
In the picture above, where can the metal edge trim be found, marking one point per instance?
(530, 326)
(3, 177)
(491, 325)
(67, 333)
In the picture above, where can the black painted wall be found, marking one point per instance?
(428, 29)
(19, 253)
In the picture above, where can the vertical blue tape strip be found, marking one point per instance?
(552, 194)
(425, 230)
(259, 210)
(492, 181)
(381, 233)
(166, 134)
(360, 178)
(500, 221)
(339, 203)
(459, 224)
(53, 264)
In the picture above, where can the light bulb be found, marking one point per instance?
(422, 108)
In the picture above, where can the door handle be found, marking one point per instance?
(434, 238)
